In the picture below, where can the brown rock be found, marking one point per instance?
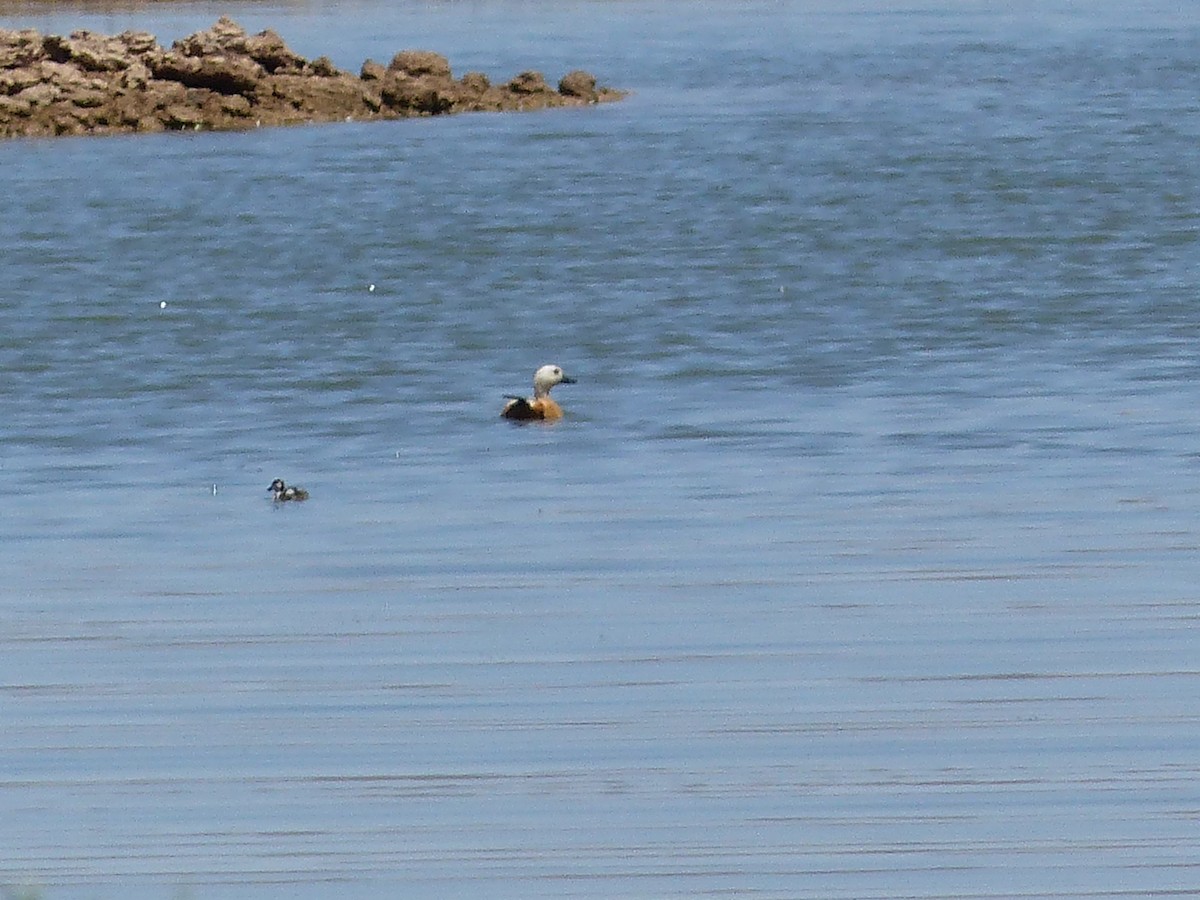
(158, 95)
(226, 36)
(475, 82)
(223, 74)
(269, 51)
(322, 67)
(300, 98)
(20, 48)
(224, 78)
(13, 81)
(136, 76)
(92, 53)
(68, 76)
(41, 94)
(529, 83)
(89, 99)
(414, 96)
(372, 71)
(182, 116)
(127, 111)
(578, 84)
(13, 107)
(420, 62)
(235, 105)
(138, 43)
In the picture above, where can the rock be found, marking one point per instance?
(13, 107)
(180, 116)
(224, 78)
(139, 43)
(323, 67)
(20, 48)
(136, 76)
(89, 99)
(269, 51)
(300, 98)
(236, 105)
(412, 96)
(529, 83)
(578, 84)
(420, 62)
(226, 36)
(92, 53)
(475, 82)
(42, 94)
(223, 74)
(13, 81)
(372, 71)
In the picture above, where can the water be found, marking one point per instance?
(864, 564)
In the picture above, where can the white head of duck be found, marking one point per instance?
(539, 407)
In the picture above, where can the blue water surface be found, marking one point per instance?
(863, 564)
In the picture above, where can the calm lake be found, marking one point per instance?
(865, 563)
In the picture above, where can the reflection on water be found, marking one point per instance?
(862, 566)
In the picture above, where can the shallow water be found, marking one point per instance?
(864, 564)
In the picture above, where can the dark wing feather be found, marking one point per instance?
(520, 410)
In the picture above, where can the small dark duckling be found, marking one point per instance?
(282, 492)
(539, 407)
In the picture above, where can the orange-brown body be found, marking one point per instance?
(539, 408)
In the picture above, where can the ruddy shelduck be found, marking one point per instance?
(540, 407)
(283, 492)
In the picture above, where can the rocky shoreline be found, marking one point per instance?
(224, 79)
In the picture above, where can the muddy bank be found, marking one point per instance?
(224, 79)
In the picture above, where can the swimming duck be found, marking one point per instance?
(540, 406)
(283, 492)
